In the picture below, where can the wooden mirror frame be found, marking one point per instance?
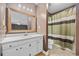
(9, 27)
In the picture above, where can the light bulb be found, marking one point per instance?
(24, 7)
(30, 10)
(19, 5)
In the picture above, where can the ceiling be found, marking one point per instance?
(55, 7)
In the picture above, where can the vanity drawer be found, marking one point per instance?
(13, 44)
(31, 41)
(35, 42)
(16, 51)
(40, 45)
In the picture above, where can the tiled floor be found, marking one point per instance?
(56, 51)
(60, 52)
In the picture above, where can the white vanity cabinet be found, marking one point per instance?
(23, 47)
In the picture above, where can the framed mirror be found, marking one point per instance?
(20, 22)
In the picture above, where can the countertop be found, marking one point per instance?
(17, 37)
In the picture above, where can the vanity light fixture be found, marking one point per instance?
(31, 10)
(19, 5)
(24, 7)
(28, 9)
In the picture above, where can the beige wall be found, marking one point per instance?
(2, 19)
(42, 22)
(41, 19)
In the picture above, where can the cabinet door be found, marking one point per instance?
(35, 46)
(34, 49)
(31, 48)
(40, 45)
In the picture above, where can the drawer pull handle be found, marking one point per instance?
(29, 54)
(29, 44)
(21, 48)
(16, 49)
(10, 45)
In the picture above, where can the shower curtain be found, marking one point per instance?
(63, 29)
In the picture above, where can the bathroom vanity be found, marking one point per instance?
(22, 44)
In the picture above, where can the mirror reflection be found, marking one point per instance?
(20, 21)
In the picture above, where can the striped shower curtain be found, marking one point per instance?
(65, 29)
